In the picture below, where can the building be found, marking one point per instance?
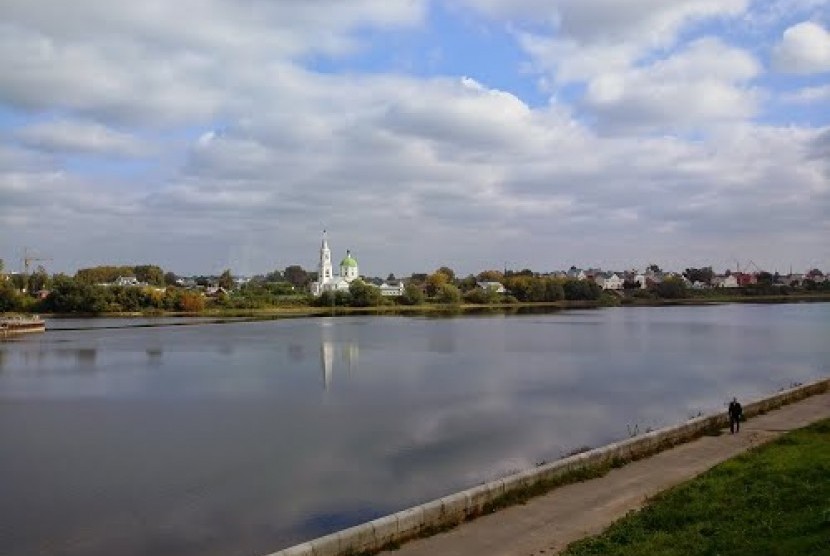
(392, 289)
(497, 287)
(608, 280)
(326, 279)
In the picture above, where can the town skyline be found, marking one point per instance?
(474, 133)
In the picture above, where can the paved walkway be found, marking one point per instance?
(547, 524)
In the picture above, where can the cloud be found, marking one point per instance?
(141, 66)
(699, 86)
(259, 151)
(809, 95)
(75, 136)
(804, 49)
(590, 37)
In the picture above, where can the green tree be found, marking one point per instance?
(364, 295)
(765, 278)
(38, 280)
(671, 288)
(449, 295)
(170, 279)
(581, 290)
(296, 276)
(654, 268)
(468, 283)
(412, 295)
(226, 280)
(9, 296)
(703, 275)
(149, 274)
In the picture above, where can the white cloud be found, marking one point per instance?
(588, 37)
(80, 137)
(261, 153)
(141, 64)
(693, 89)
(809, 95)
(804, 49)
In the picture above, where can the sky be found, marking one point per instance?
(201, 135)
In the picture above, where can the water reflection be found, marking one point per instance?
(222, 439)
(349, 354)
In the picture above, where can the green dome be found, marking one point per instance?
(349, 261)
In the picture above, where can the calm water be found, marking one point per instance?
(243, 438)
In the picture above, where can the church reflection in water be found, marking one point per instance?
(343, 355)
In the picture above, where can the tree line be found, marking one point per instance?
(85, 292)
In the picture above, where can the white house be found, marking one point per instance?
(391, 289)
(609, 281)
(730, 281)
(497, 287)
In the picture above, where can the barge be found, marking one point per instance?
(14, 325)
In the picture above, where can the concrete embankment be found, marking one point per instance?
(451, 510)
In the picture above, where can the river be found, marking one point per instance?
(246, 437)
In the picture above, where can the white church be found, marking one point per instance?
(326, 279)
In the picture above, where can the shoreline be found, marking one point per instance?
(270, 313)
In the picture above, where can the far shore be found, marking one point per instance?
(439, 309)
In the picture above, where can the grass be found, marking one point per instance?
(773, 500)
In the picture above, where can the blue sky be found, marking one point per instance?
(468, 133)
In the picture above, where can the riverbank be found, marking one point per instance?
(293, 311)
(567, 513)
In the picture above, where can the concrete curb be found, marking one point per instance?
(388, 531)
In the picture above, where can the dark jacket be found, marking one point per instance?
(735, 410)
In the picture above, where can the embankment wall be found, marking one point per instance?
(451, 510)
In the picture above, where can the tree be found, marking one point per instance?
(38, 280)
(2, 267)
(226, 279)
(412, 295)
(9, 296)
(450, 273)
(482, 296)
(191, 302)
(364, 295)
(295, 275)
(149, 274)
(435, 282)
(703, 275)
(170, 279)
(671, 288)
(581, 290)
(468, 283)
(275, 276)
(765, 278)
(391, 277)
(490, 276)
(449, 294)
(654, 268)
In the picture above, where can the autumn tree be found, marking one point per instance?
(436, 281)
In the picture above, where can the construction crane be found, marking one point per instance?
(28, 259)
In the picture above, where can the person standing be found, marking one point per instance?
(736, 412)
